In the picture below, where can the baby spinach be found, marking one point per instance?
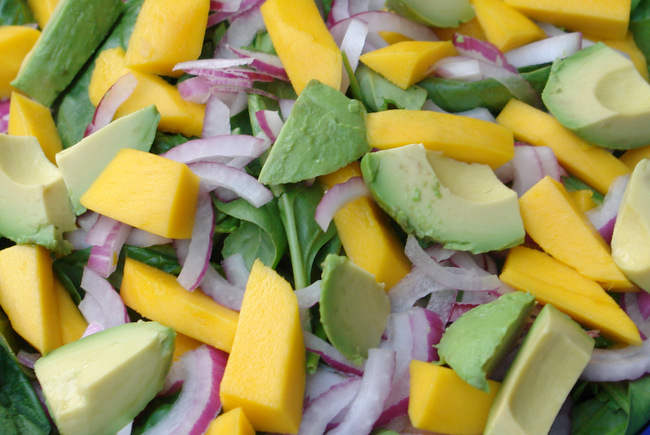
(161, 256)
(15, 12)
(640, 27)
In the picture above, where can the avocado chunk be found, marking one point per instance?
(354, 308)
(438, 13)
(463, 206)
(72, 34)
(100, 382)
(324, 132)
(599, 95)
(34, 204)
(82, 163)
(479, 339)
(380, 94)
(553, 355)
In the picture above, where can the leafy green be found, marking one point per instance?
(640, 27)
(69, 269)
(572, 183)
(162, 256)
(154, 412)
(7, 335)
(380, 94)
(15, 12)
(163, 142)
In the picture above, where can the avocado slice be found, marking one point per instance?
(479, 339)
(599, 95)
(100, 382)
(354, 308)
(464, 206)
(545, 369)
(438, 13)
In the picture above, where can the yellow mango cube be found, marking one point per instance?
(593, 165)
(183, 343)
(72, 322)
(233, 422)
(265, 373)
(42, 9)
(633, 156)
(584, 198)
(158, 296)
(176, 114)
(15, 43)
(167, 32)
(303, 43)
(607, 19)
(148, 192)
(459, 137)
(584, 300)
(440, 401)
(30, 118)
(470, 28)
(406, 63)
(393, 37)
(366, 235)
(504, 26)
(27, 295)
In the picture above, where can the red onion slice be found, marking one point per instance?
(195, 89)
(92, 328)
(264, 62)
(481, 50)
(106, 237)
(352, 45)
(200, 248)
(330, 354)
(413, 287)
(635, 305)
(532, 163)
(460, 68)
(111, 101)
(320, 411)
(145, 239)
(195, 67)
(270, 123)
(338, 197)
(216, 121)
(545, 50)
(101, 304)
(242, 31)
(218, 149)
(27, 358)
(603, 217)
(613, 365)
(4, 115)
(235, 270)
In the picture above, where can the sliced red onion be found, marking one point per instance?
(77, 238)
(101, 229)
(196, 67)
(4, 115)
(532, 163)
(329, 354)
(217, 118)
(246, 186)
(236, 102)
(613, 365)
(460, 68)
(87, 220)
(352, 45)
(413, 287)
(545, 50)
(342, 9)
(270, 123)
(603, 217)
(200, 248)
(198, 403)
(264, 62)
(27, 358)
(442, 303)
(550, 29)
(101, 304)
(308, 296)
(225, 5)
(145, 239)
(285, 107)
(228, 13)
(195, 89)
(320, 411)
(111, 101)
(241, 32)
(106, 237)
(323, 378)
(92, 328)
(643, 300)
(478, 113)
(481, 50)
(338, 197)
(220, 149)
(635, 305)
(174, 379)
(235, 269)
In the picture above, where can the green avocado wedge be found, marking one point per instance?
(438, 13)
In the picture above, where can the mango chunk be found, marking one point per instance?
(606, 19)
(584, 300)
(42, 9)
(504, 26)
(303, 43)
(167, 32)
(158, 296)
(233, 422)
(15, 43)
(27, 296)
(633, 156)
(73, 324)
(30, 118)
(265, 373)
(440, 401)
(584, 198)
(594, 165)
(469, 28)
(183, 343)
(366, 235)
(146, 191)
(459, 137)
(176, 114)
(406, 63)
(558, 225)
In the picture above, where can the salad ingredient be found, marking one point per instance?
(463, 206)
(440, 401)
(164, 203)
(459, 137)
(406, 63)
(479, 339)
(353, 308)
(612, 110)
(64, 46)
(439, 13)
(265, 374)
(71, 320)
(30, 118)
(303, 43)
(628, 47)
(630, 239)
(607, 20)
(34, 201)
(553, 282)
(378, 93)
(366, 234)
(183, 344)
(176, 114)
(99, 383)
(157, 295)
(545, 50)
(504, 26)
(593, 165)
(233, 422)
(82, 163)
(556, 223)
(42, 10)
(15, 43)
(545, 369)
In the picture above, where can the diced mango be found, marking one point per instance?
(42, 9)
(459, 137)
(504, 26)
(72, 322)
(167, 32)
(303, 43)
(366, 235)
(30, 118)
(558, 225)
(265, 373)
(15, 43)
(176, 114)
(148, 192)
(594, 165)
(584, 198)
(393, 37)
(584, 300)
(233, 422)
(607, 19)
(470, 28)
(633, 156)
(406, 63)
(440, 401)
(158, 296)
(27, 295)
(183, 343)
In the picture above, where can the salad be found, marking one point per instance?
(369, 216)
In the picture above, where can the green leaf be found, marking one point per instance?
(15, 12)
(640, 27)
(162, 256)
(163, 142)
(69, 270)
(639, 392)
(572, 183)
(154, 412)
(380, 94)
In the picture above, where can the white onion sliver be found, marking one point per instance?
(144, 239)
(352, 46)
(213, 64)
(604, 216)
(117, 94)
(330, 354)
(217, 118)
(458, 68)
(337, 197)
(545, 50)
(532, 163)
(270, 123)
(246, 186)
(220, 149)
(241, 32)
(200, 247)
(101, 304)
(613, 365)
(319, 412)
(235, 270)
(308, 296)
(384, 21)
(103, 257)
(221, 291)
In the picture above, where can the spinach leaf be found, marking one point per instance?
(572, 183)
(380, 94)
(162, 256)
(163, 142)
(7, 334)
(15, 12)
(69, 269)
(154, 412)
(640, 27)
